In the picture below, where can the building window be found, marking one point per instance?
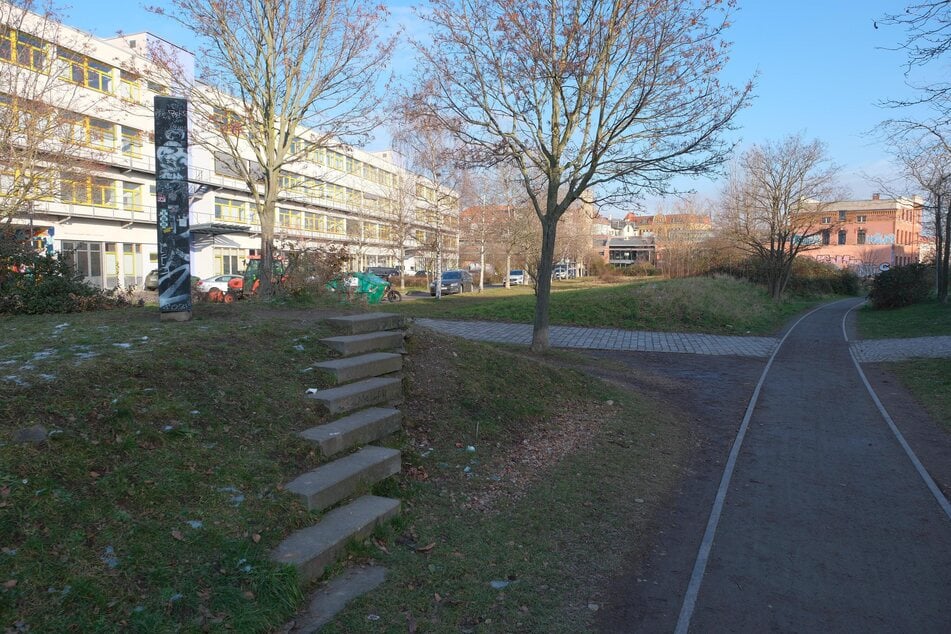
(85, 71)
(227, 121)
(101, 135)
(842, 237)
(103, 192)
(825, 237)
(861, 237)
(129, 86)
(86, 258)
(99, 192)
(841, 216)
(23, 49)
(336, 226)
(157, 88)
(227, 209)
(229, 261)
(861, 219)
(132, 196)
(289, 218)
(131, 142)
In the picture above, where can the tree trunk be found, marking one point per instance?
(482, 268)
(940, 246)
(540, 341)
(402, 268)
(945, 259)
(266, 263)
(508, 267)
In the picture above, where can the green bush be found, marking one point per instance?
(817, 278)
(33, 283)
(901, 286)
(808, 277)
(637, 269)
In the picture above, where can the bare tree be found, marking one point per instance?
(431, 152)
(46, 142)
(574, 234)
(268, 69)
(773, 202)
(615, 96)
(401, 213)
(927, 26)
(923, 153)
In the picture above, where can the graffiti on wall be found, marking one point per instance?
(880, 238)
(171, 201)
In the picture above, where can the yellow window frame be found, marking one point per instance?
(132, 196)
(229, 209)
(336, 226)
(24, 50)
(131, 142)
(130, 89)
(100, 134)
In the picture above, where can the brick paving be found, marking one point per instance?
(874, 350)
(870, 351)
(606, 338)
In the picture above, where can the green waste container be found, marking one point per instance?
(373, 286)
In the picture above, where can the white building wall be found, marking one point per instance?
(128, 222)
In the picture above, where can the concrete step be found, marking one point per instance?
(329, 483)
(358, 428)
(366, 365)
(365, 393)
(331, 598)
(349, 345)
(314, 548)
(367, 322)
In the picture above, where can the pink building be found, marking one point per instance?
(864, 235)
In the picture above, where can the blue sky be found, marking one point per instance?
(821, 71)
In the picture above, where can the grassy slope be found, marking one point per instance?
(554, 528)
(928, 379)
(156, 501)
(720, 306)
(920, 320)
(161, 429)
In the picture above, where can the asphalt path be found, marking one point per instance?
(826, 525)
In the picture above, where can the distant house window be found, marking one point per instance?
(825, 237)
(861, 237)
(842, 237)
(841, 216)
(861, 219)
(827, 220)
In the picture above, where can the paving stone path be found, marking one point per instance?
(869, 351)
(874, 350)
(607, 338)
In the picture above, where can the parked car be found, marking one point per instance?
(219, 282)
(457, 281)
(151, 280)
(422, 274)
(386, 272)
(560, 272)
(517, 277)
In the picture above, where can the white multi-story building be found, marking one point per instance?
(101, 212)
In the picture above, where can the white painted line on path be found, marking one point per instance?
(706, 545)
(929, 481)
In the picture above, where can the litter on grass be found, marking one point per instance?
(109, 557)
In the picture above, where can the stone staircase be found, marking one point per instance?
(367, 387)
